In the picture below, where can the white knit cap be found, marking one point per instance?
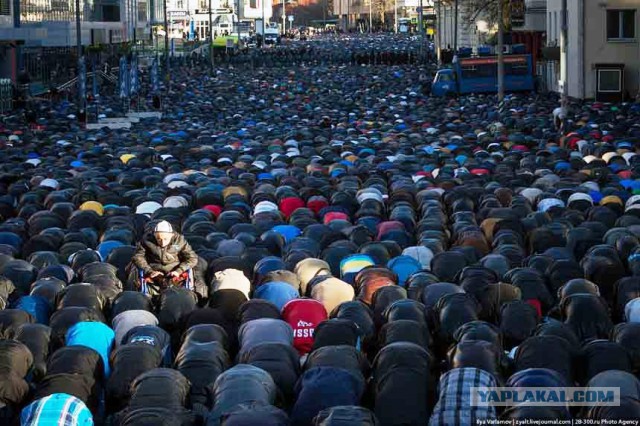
(148, 207)
(50, 183)
(163, 226)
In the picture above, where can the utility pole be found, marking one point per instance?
(501, 50)
(17, 24)
(166, 42)
(150, 21)
(134, 21)
(284, 17)
(455, 27)
(78, 30)
(420, 23)
(449, 12)
(154, 34)
(210, 39)
(395, 16)
(324, 15)
(371, 16)
(80, 58)
(438, 29)
(564, 57)
(348, 14)
(264, 23)
(238, 23)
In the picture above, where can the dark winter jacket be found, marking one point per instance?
(177, 256)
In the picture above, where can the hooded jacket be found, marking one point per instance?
(178, 256)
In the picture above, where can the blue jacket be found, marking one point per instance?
(278, 293)
(94, 335)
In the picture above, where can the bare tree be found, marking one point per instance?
(471, 10)
(488, 9)
(329, 7)
(380, 7)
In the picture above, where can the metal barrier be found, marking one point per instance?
(548, 73)
(110, 78)
(6, 95)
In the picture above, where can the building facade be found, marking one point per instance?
(470, 30)
(354, 14)
(601, 34)
(102, 21)
(476, 27)
(190, 18)
(535, 18)
(52, 23)
(39, 36)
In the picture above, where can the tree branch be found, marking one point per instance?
(481, 8)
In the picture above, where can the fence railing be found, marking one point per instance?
(6, 95)
(110, 78)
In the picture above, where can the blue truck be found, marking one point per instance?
(480, 75)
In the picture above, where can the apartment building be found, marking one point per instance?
(603, 53)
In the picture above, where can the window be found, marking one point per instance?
(180, 4)
(444, 77)
(60, 6)
(609, 80)
(5, 7)
(49, 10)
(142, 12)
(110, 13)
(621, 24)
